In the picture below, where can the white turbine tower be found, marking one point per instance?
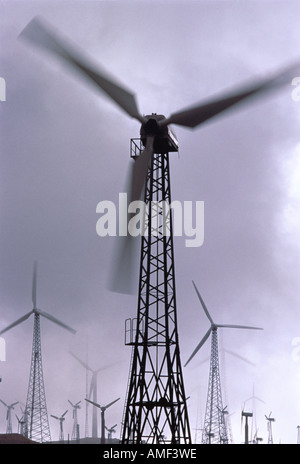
(9, 408)
(75, 429)
(269, 426)
(61, 420)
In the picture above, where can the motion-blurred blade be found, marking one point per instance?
(124, 267)
(239, 357)
(199, 345)
(39, 34)
(139, 169)
(229, 326)
(17, 322)
(110, 404)
(203, 304)
(123, 274)
(84, 364)
(53, 319)
(194, 116)
(34, 285)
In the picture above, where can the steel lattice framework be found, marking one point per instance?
(215, 429)
(36, 425)
(156, 411)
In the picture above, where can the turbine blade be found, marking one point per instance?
(18, 321)
(34, 285)
(239, 357)
(93, 402)
(139, 169)
(55, 417)
(81, 362)
(41, 35)
(199, 345)
(124, 269)
(64, 413)
(203, 304)
(110, 404)
(92, 386)
(229, 326)
(194, 116)
(4, 403)
(57, 321)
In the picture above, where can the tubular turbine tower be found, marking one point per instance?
(156, 407)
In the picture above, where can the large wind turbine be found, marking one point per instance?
(156, 401)
(37, 425)
(103, 409)
(215, 430)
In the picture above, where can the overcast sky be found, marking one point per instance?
(65, 147)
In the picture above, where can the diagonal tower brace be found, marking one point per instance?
(156, 410)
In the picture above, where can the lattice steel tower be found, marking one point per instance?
(156, 410)
(215, 427)
(37, 424)
(215, 430)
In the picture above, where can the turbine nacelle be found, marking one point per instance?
(165, 140)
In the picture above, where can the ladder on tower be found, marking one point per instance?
(127, 388)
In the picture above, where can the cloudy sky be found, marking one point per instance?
(65, 147)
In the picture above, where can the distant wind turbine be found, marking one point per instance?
(61, 420)
(9, 408)
(103, 409)
(215, 430)
(37, 425)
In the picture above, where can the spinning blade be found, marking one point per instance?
(40, 34)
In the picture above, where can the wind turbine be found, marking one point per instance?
(215, 430)
(254, 399)
(9, 408)
(103, 409)
(37, 425)
(61, 420)
(269, 425)
(152, 392)
(111, 430)
(93, 391)
(246, 415)
(21, 425)
(75, 429)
